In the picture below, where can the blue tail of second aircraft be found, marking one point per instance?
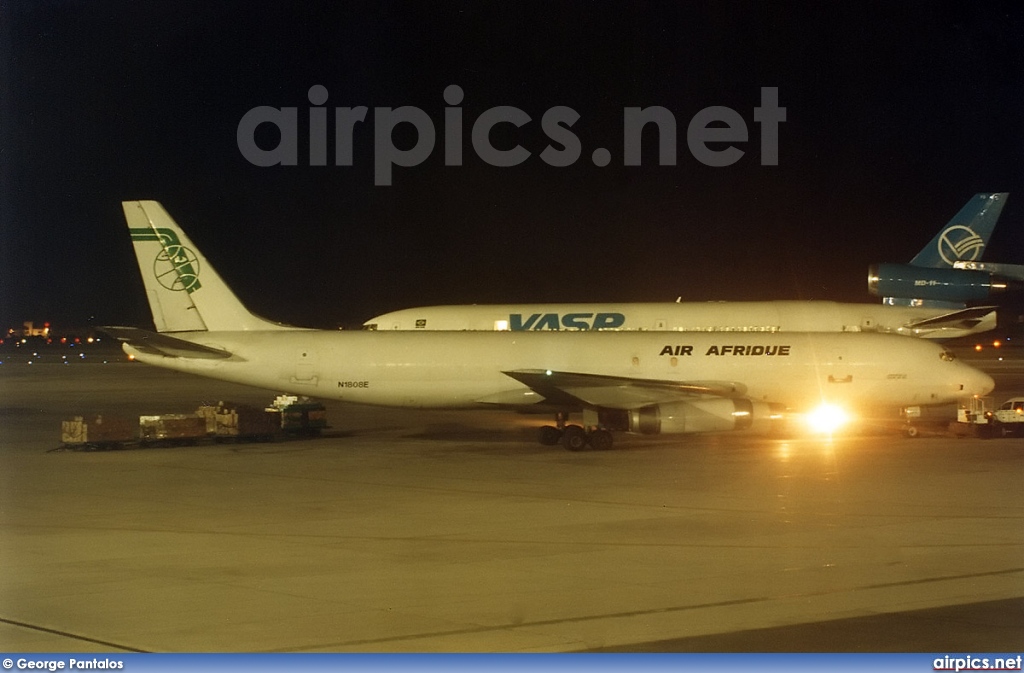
(930, 280)
(965, 237)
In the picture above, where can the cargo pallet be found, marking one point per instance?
(286, 418)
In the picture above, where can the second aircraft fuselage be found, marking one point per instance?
(740, 316)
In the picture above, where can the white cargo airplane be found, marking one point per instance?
(638, 381)
(971, 228)
(732, 316)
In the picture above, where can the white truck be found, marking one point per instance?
(978, 419)
(1008, 419)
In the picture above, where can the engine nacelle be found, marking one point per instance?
(711, 415)
(953, 285)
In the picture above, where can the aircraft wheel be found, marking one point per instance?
(574, 438)
(911, 431)
(601, 440)
(549, 435)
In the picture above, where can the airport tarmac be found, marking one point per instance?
(454, 531)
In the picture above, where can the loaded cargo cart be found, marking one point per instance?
(97, 432)
(171, 429)
(227, 420)
(287, 416)
(299, 415)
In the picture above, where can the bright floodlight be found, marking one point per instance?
(827, 418)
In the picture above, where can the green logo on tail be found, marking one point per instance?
(175, 267)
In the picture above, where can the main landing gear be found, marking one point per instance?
(575, 437)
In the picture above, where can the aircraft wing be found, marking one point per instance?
(962, 319)
(163, 344)
(618, 392)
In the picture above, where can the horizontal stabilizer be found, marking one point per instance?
(164, 344)
(1008, 271)
(965, 318)
(618, 392)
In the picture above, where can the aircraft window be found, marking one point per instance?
(948, 356)
(371, 327)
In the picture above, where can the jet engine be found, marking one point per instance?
(951, 285)
(710, 415)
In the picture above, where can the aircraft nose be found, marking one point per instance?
(979, 383)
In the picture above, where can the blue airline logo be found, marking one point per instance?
(552, 321)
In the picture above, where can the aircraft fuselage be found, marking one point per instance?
(460, 370)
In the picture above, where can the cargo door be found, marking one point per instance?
(307, 367)
(838, 367)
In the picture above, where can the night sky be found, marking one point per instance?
(897, 113)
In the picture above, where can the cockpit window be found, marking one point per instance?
(948, 356)
(371, 327)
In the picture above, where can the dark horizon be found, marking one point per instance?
(895, 117)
